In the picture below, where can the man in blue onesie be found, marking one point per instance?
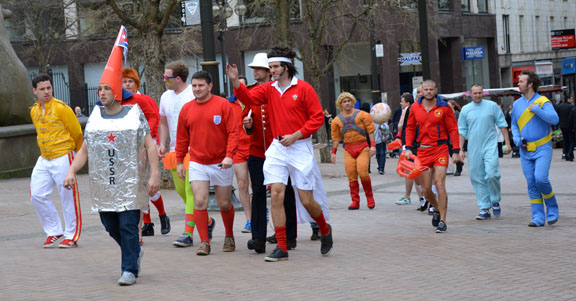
(477, 123)
(532, 116)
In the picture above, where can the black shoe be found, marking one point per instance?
(423, 205)
(148, 229)
(552, 222)
(277, 255)
(272, 239)
(457, 174)
(441, 227)
(164, 224)
(435, 218)
(315, 234)
(291, 244)
(258, 245)
(326, 243)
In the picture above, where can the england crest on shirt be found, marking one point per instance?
(217, 119)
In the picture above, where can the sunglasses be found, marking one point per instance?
(166, 77)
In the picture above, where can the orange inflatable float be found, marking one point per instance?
(409, 168)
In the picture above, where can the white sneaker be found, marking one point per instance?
(403, 201)
(127, 279)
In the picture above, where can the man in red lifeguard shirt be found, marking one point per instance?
(436, 123)
(295, 113)
(208, 129)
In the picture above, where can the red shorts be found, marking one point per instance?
(434, 156)
(356, 148)
(243, 151)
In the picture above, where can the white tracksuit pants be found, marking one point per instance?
(46, 175)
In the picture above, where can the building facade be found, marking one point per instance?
(537, 35)
(463, 48)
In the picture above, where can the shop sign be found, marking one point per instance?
(568, 65)
(473, 53)
(407, 59)
(563, 38)
(544, 68)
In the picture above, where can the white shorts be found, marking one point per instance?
(212, 173)
(296, 161)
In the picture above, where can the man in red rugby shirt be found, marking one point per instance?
(131, 83)
(295, 113)
(208, 130)
(436, 123)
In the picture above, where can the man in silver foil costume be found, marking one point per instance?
(118, 147)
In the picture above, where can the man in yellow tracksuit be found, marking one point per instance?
(59, 137)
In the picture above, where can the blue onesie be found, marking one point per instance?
(477, 123)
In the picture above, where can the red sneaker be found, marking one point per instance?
(51, 241)
(67, 243)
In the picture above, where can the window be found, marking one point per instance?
(537, 46)
(465, 5)
(482, 6)
(521, 32)
(262, 11)
(506, 26)
(408, 3)
(445, 4)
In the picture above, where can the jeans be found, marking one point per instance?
(258, 218)
(381, 155)
(123, 227)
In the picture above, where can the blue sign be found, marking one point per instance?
(473, 53)
(569, 65)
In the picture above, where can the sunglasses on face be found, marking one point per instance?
(166, 77)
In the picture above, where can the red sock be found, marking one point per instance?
(158, 203)
(201, 221)
(146, 217)
(281, 238)
(321, 221)
(228, 220)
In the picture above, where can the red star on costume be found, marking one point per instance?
(111, 138)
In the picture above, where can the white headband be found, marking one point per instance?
(279, 59)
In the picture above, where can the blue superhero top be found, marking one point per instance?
(535, 124)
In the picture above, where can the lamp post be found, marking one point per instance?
(220, 11)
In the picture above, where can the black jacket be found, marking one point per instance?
(563, 111)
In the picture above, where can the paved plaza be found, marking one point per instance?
(389, 253)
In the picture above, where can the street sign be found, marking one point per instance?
(407, 59)
(190, 12)
(379, 50)
(473, 53)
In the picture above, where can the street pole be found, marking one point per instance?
(208, 46)
(424, 43)
(374, 61)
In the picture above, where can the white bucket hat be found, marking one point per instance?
(260, 61)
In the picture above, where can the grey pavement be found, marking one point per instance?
(389, 253)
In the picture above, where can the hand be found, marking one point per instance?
(153, 184)
(530, 107)
(69, 180)
(372, 151)
(456, 158)
(407, 153)
(181, 170)
(161, 149)
(232, 72)
(288, 140)
(226, 163)
(462, 155)
(247, 122)
(508, 148)
(333, 158)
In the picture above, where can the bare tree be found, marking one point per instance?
(44, 25)
(150, 18)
